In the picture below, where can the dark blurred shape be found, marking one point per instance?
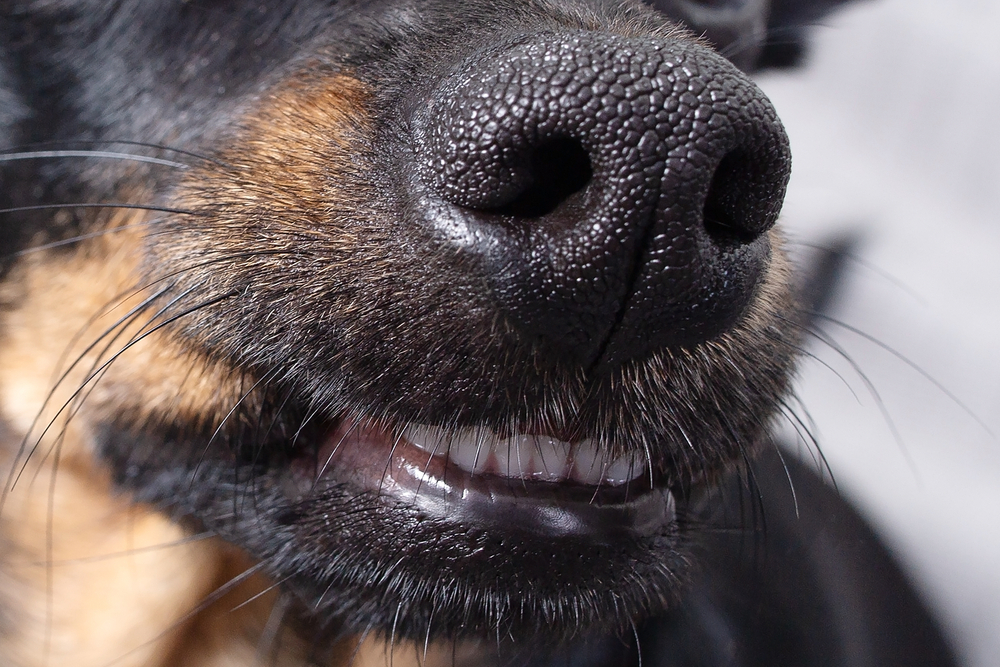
(753, 34)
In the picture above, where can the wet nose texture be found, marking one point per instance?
(617, 190)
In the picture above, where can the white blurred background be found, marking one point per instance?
(895, 129)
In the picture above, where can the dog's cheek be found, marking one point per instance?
(282, 216)
(82, 338)
(69, 538)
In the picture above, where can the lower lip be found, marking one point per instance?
(370, 460)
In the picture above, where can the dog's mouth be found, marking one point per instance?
(521, 483)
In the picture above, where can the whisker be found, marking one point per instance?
(207, 602)
(481, 440)
(788, 476)
(84, 237)
(222, 424)
(758, 516)
(118, 354)
(856, 259)
(262, 441)
(806, 353)
(649, 463)
(805, 435)
(388, 463)
(638, 647)
(361, 641)
(109, 155)
(140, 207)
(789, 34)
(268, 641)
(313, 411)
(220, 259)
(744, 43)
(805, 418)
(50, 538)
(93, 378)
(906, 360)
(111, 142)
(12, 477)
(260, 594)
(427, 634)
(427, 465)
(198, 537)
(91, 374)
(333, 453)
(872, 391)
(392, 636)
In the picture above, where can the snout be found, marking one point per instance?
(616, 191)
(523, 301)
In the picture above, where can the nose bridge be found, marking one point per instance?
(621, 174)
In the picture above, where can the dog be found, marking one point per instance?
(412, 331)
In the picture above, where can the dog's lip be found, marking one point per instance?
(373, 459)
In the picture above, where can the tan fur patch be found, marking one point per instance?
(91, 578)
(96, 580)
(288, 169)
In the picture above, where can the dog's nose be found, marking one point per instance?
(616, 192)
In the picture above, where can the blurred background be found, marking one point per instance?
(895, 129)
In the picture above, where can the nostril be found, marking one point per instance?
(724, 214)
(556, 169)
(614, 193)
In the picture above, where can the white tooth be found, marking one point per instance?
(588, 463)
(469, 449)
(525, 456)
(524, 461)
(529, 457)
(522, 458)
(431, 439)
(551, 457)
(623, 470)
(505, 458)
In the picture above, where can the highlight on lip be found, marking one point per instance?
(526, 456)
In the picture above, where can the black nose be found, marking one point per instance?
(616, 191)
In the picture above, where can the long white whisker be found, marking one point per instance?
(108, 155)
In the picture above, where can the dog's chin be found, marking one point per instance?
(418, 532)
(515, 537)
